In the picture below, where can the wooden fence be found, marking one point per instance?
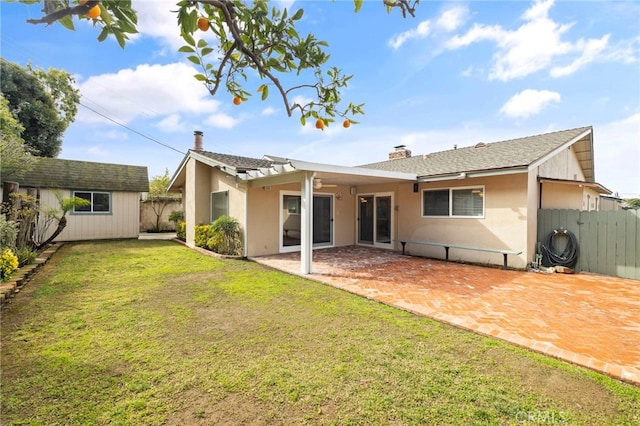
(609, 241)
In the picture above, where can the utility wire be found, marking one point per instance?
(131, 130)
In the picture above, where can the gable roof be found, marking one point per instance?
(240, 164)
(513, 154)
(71, 174)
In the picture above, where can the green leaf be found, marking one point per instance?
(358, 4)
(187, 49)
(300, 12)
(202, 43)
(67, 22)
(188, 39)
(194, 59)
(206, 51)
(103, 34)
(265, 92)
(200, 77)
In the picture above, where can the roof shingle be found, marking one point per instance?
(506, 154)
(72, 174)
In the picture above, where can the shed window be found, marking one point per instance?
(219, 204)
(458, 202)
(100, 202)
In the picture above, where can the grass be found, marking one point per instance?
(150, 332)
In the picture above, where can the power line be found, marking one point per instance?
(132, 130)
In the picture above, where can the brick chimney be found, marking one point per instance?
(197, 140)
(399, 151)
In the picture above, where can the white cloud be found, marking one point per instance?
(449, 20)
(146, 91)
(269, 111)
(157, 21)
(421, 31)
(617, 152)
(590, 49)
(533, 46)
(221, 120)
(172, 123)
(528, 102)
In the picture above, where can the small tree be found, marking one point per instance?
(47, 217)
(159, 198)
(633, 203)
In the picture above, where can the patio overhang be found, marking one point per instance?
(291, 171)
(306, 173)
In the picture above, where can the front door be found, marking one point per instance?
(375, 219)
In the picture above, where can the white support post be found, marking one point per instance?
(306, 223)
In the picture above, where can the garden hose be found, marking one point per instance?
(568, 257)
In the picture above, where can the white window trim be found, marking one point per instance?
(288, 249)
(109, 193)
(451, 189)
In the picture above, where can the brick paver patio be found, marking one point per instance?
(586, 319)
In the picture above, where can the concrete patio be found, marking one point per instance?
(586, 319)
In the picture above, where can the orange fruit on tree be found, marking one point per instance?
(320, 123)
(203, 23)
(94, 12)
(346, 123)
(237, 100)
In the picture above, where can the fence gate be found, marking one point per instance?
(609, 241)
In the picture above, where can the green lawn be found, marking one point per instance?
(151, 332)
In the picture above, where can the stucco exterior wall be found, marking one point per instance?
(122, 222)
(561, 196)
(504, 226)
(264, 217)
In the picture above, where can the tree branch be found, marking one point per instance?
(67, 11)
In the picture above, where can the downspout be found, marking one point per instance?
(540, 196)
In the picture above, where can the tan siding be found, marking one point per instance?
(562, 166)
(122, 222)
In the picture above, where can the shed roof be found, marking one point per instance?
(72, 174)
(508, 154)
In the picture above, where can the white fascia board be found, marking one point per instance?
(562, 147)
(276, 179)
(469, 175)
(357, 171)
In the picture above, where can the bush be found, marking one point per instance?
(8, 264)
(176, 217)
(8, 232)
(203, 234)
(226, 236)
(181, 230)
(26, 256)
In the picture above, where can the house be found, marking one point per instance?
(486, 195)
(112, 189)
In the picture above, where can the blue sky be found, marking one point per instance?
(458, 73)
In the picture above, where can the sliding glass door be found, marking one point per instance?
(375, 219)
(290, 223)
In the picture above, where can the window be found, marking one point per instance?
(100, 202)
(219, 204)
(459, 202)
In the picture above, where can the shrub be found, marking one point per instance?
(203, 234)
(225, 236)
(176, 217)
(26, 256)
(8, 232)
(181, 230)
(8, 264)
